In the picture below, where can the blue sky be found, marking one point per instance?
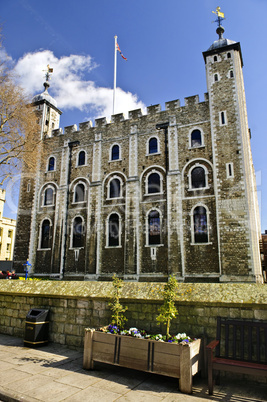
(163, 42)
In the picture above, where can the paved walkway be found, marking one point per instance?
(54, 373)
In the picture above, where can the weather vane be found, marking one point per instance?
(220, 15)
(48, 73)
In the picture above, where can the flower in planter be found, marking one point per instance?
(167, 311)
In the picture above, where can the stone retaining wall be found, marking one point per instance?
(76, 305)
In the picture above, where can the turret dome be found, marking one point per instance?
(45, 96)
(221, 42)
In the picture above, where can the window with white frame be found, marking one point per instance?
(229, 170)
(45, 234)
(114, 230)
(153, 146)
(200, 225)
(196, 139)
(153, 228)
(154, 183)
(79, 193)
(81, 160)
(115, 152)
(114, 188)
(48, 196)
(78, 232)
(223, 119)
(51, 164)
(197, 177)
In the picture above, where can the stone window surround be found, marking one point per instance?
(202, 138)
(108, 187)
(147, 145)
(110, 153)
(107, 230)
(192, 225)
(77, 158)
(222, 114)
(147, 228)
(74, 191)
(40, 234)
(230, 170)
(71, 233)
(189, 175)
(42, 192)
(218, 77)
(146, 183)
(55, 164)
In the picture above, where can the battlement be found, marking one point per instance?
(152, 110)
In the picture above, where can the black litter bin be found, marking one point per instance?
(36, 327)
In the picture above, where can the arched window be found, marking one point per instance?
(216, 78)
(215, 58)
(49, 196)
(196, 139)
(153, 183)
(153, 145)
(198, 177)
(115, 152)
(81, 158)
(231, 74)
(79, 193)
(114, 230)
(51, 164)
(200, 225)
(229, 55)
(78, 233)
(114, 188)
(45, 234)
(153, 227)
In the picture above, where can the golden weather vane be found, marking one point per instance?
(48, 73)
(219, 14)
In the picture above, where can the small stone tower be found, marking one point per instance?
(238, 227)
(47, 109)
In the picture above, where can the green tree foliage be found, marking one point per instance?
(118, 318)
(168, 310)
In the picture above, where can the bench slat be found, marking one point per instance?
(234, 342)
(239, 363)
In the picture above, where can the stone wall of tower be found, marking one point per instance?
(233, 169)
(202, 214)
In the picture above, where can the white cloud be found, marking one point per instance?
(69, 86)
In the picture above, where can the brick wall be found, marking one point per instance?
(76, 305)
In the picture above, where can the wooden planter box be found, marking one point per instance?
(173, 360)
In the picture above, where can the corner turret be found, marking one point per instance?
(46, 107)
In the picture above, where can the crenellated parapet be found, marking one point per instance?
(134, 115)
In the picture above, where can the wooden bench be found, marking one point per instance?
(240, 347)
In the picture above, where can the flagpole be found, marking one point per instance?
(115, 73)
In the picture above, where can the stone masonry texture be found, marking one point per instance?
(75, 306)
